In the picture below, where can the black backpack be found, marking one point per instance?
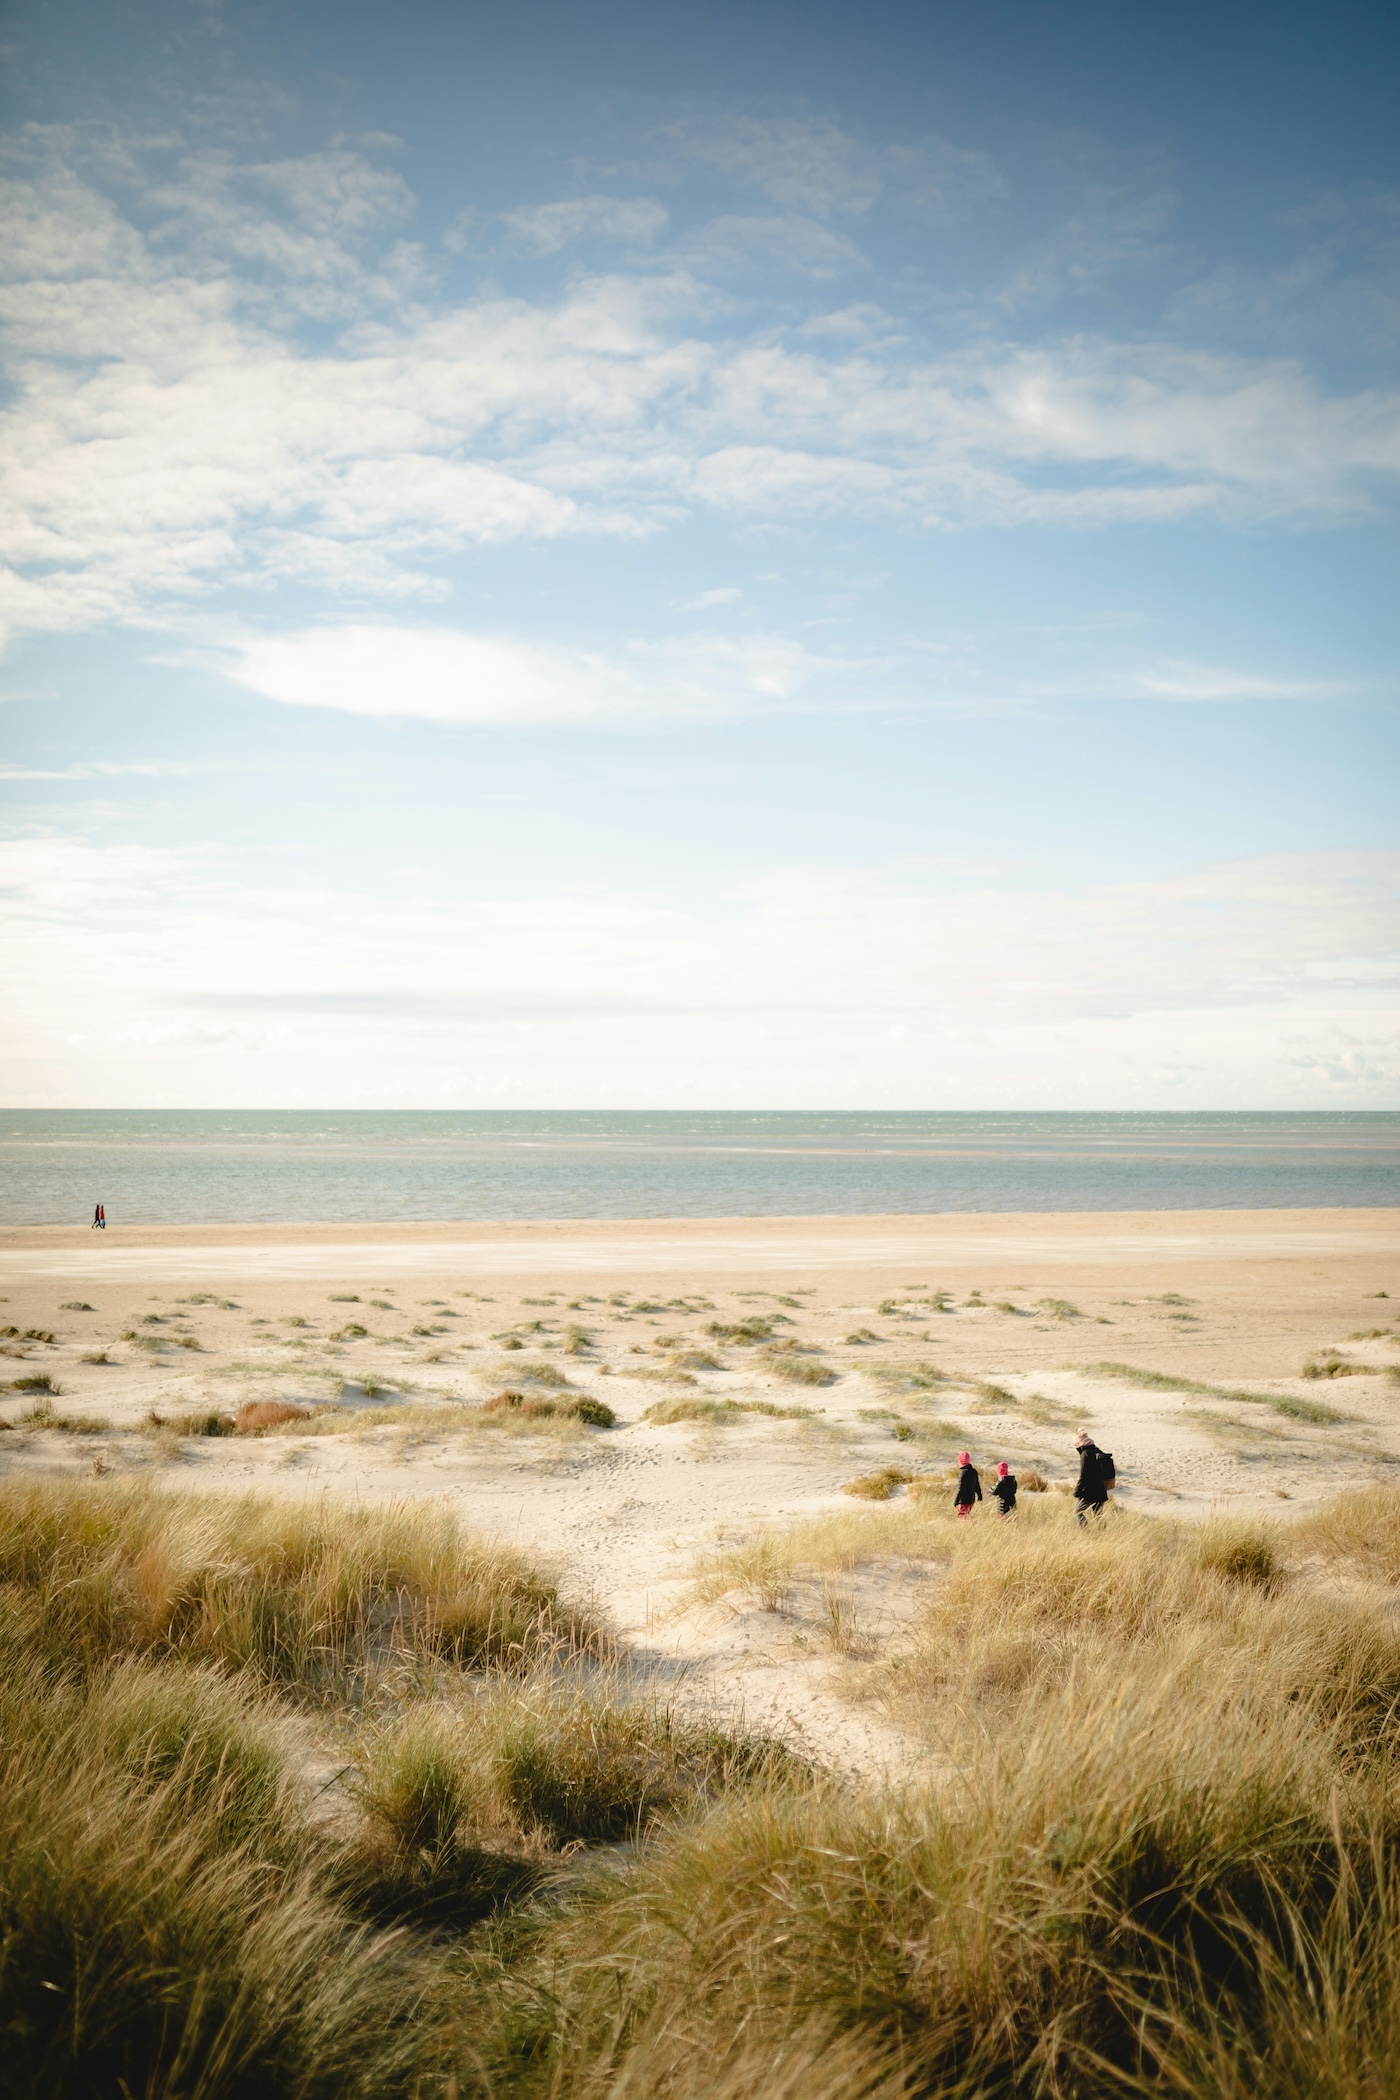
(1107, 1471)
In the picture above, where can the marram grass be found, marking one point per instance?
(310, 1801)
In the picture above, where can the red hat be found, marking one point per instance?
(964, 1459)
(1002, 1469)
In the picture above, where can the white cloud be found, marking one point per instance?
(439, 674)
(134, 970)
(789, 242)
(1199, 681)
(544, 229)
(808, 164)
(172, 429)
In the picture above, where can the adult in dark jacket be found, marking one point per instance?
(969, 1486)
(1090, 1491)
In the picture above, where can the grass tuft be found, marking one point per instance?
(702, 1408)
(878, 1487)
(542, 1407)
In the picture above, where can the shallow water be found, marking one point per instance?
(193, 1167)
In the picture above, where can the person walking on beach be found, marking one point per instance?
(99, 1219)
(1095, 1478)
(969, 1486)
(1004, 1489)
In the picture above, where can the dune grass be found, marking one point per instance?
(547, 1407)
(1295, 1407)
(719, 1413)
(1155, 1848)
(305, 1593)
(878, 1486)
(794, 1368)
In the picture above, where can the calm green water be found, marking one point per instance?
(205, 1167)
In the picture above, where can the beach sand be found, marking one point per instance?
(993, 1329)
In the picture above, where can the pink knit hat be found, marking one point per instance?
(1002, 1469)
(964, 1459)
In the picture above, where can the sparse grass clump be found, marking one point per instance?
(547, 1407)
(1328, 1364)
(878, 1487)
(1290, 1404)
(44, 1416)
(909, 1378)
(795, 1369)
(198, 1422)
(718, 1413)
(535, 1373)
(755, 1327)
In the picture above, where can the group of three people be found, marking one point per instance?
(1096, 1477)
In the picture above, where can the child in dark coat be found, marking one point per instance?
(969, 1486)
(1004, 1488)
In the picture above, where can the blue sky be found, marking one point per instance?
(728, 556)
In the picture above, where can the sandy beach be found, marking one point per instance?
(815, 1350)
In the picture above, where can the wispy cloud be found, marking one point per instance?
(810, 164)
(440, 674)
(175, 430)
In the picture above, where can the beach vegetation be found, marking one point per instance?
(1297, 1408)
(795, 1367)
(76, 1305)
(545, 1407)
(689, 1359)
(44, 1416)
(880, 1485)
(1328, 1364)
(1152, 1844)
(197, 1422)
(1050, 1414)
(706, 1409)
(909, 1378)
(754, 1327)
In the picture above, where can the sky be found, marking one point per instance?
(727, 556)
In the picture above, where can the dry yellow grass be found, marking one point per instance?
(1156, 1850)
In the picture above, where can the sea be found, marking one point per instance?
(188, 1167)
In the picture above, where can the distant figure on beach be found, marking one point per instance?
(969, 1486)
(1004, 1489)
(99, 1219)
(1096, 1477)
